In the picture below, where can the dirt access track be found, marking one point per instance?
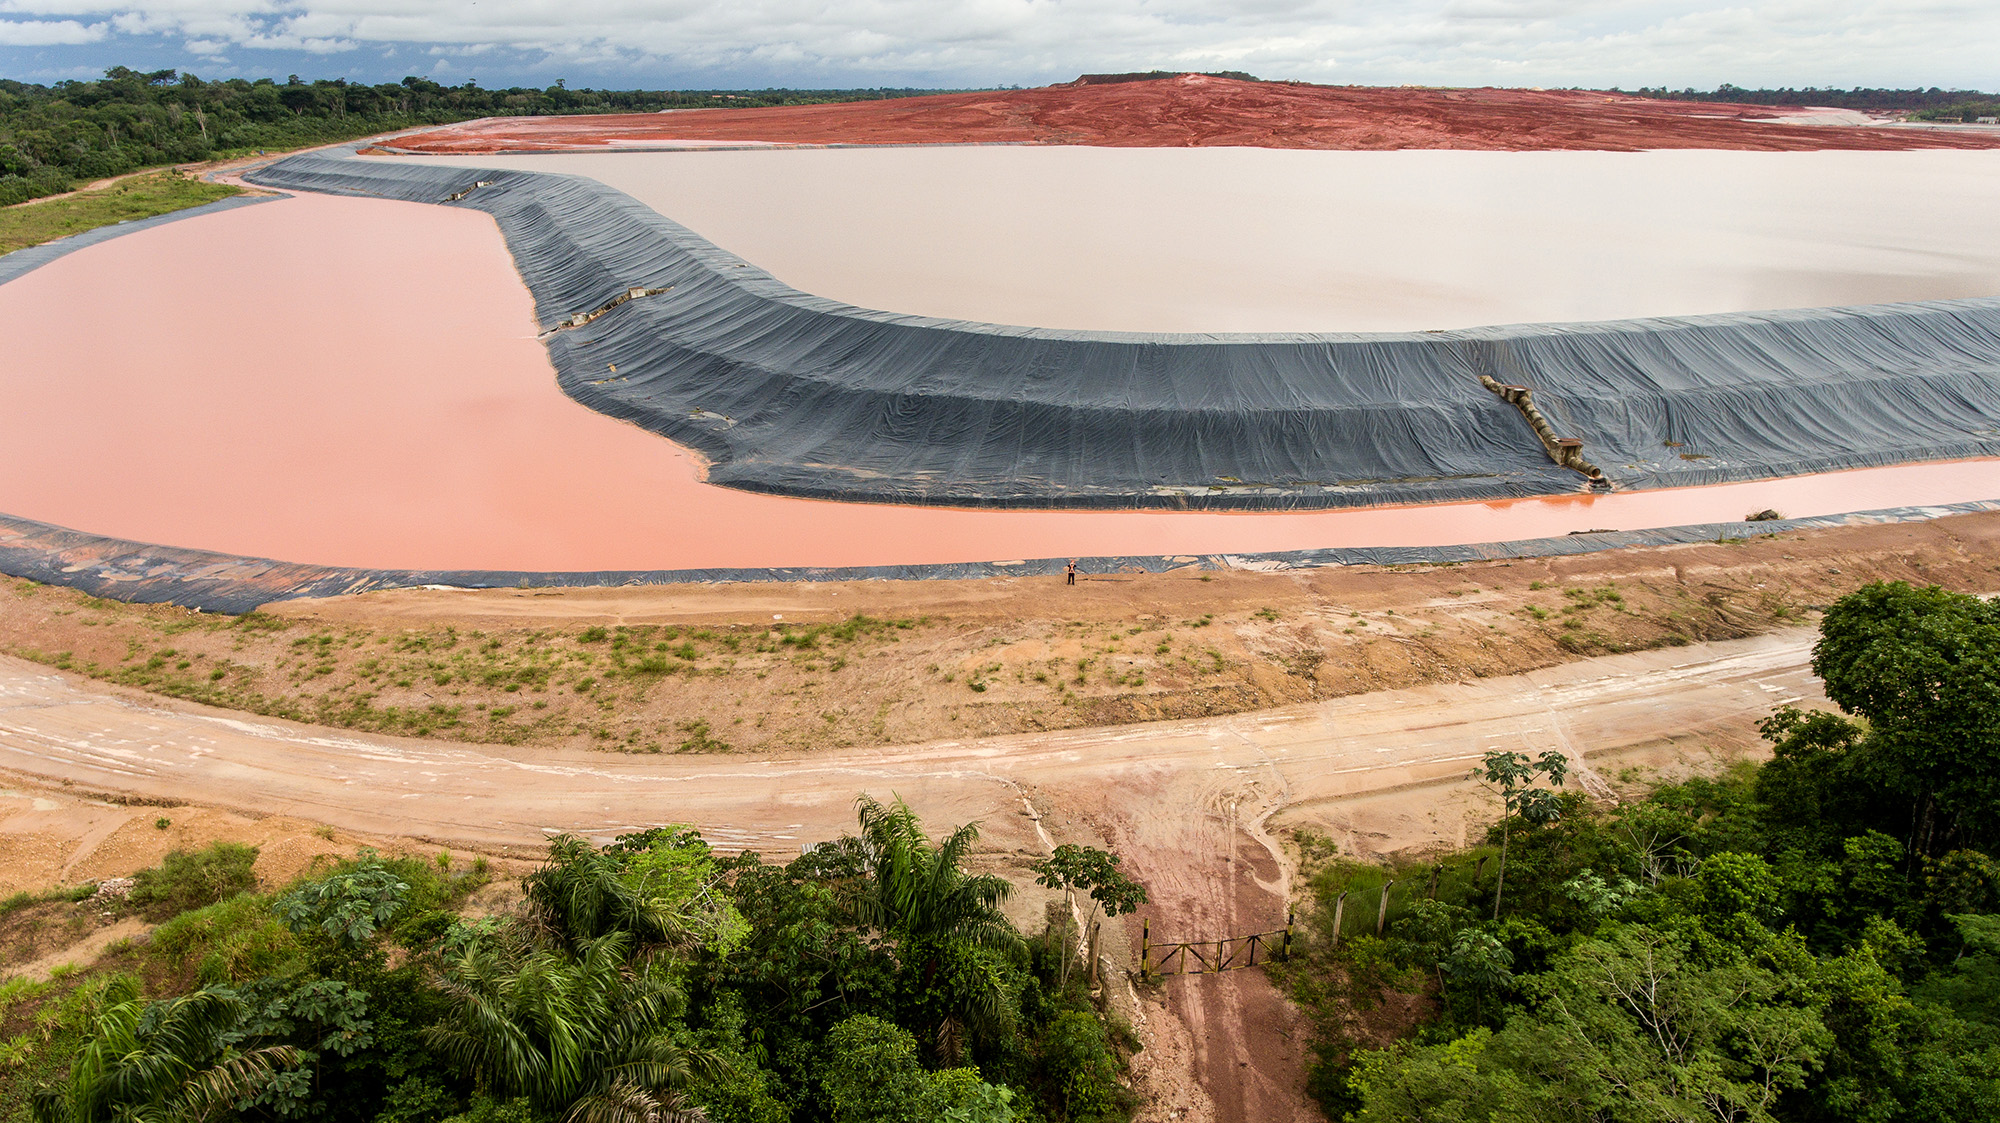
(1196, 110)
(1192, 805)
(1198, 804)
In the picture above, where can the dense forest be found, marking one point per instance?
(1813, 940)
(53, 137)
(870, 980)
(1932, 104)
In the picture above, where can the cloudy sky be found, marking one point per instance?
(933, 43)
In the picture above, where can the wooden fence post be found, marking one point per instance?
(1145, 948)
(1382, 909)
(1339, 907)
(1288, 936)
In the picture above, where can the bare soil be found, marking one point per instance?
(822, 666)
(55, 838)
(1372, 689)
(1197, 805)
(1193, 109)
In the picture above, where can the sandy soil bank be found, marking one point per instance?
(1187, 803)
(357, 382)
(772, 667)
(1256, 240)
(1194, 110)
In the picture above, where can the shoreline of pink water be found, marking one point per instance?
(357, 382)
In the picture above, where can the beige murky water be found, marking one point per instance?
(357, 382)
(1252, 239)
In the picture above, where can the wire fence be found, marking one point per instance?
(1202, 957)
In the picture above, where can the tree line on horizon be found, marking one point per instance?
(1932, 104)
(53, 137)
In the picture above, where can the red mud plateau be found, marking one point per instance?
(1193, 110)
(357, 382)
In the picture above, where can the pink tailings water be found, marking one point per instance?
(357, 382)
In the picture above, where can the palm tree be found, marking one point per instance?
(917, 890)
(935, 912)
(583, 1035)
(581, 893)
(167, 1062)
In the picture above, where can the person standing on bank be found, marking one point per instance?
(1069, 572)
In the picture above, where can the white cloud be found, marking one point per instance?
(1532, 42)
(48, 33)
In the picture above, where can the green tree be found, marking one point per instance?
(673, 868)
(917, 889)
(806, 963)
(1627, 1028)
(1071, 868)
(939, 917)
(870, 1074)
(581, 894)
(1923, 667)
(1076, 1052)
(348, 907)
(1513, 775)
(1439, 1084)
(171, 1061)
(587, 1036)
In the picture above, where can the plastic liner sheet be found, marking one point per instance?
(798, 395)
(30, 258)
(138, 573)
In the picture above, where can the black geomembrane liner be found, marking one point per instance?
(794, 394)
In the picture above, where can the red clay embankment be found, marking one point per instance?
(1194, 110)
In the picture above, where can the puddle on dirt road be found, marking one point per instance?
(357, 382)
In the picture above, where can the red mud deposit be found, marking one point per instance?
(357, 382)
(1197, 111)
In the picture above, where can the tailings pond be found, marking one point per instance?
(1267, 240)
(358, 382)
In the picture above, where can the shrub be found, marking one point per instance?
(870, 1074)
(347, 907)
(231, 941)
(1077, 1055)
(187, 880)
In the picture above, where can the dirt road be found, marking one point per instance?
(1193, 804)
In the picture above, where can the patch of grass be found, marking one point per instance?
(135, 198)
(62, 1020)
(700, 739)
(227, 942)
(187, 880)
